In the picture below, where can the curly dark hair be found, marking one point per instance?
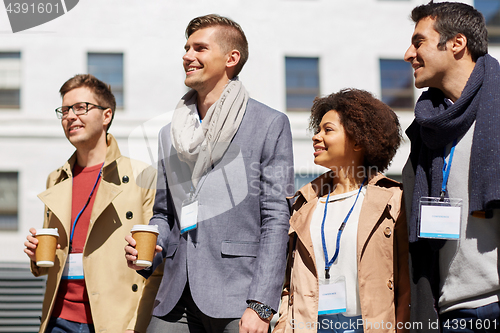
(367, 121)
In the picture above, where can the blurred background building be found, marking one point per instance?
(299, 49)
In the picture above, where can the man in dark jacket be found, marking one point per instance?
(451, 178)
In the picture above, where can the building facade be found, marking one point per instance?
(298, 49)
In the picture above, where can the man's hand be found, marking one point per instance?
(250, 322)
(31, 244)
(131, 252)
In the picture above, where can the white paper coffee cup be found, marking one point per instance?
(145, 237)
(46, 249)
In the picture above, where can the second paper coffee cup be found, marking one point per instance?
(46, 248)
(145, 237)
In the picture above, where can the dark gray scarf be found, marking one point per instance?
(436, 125)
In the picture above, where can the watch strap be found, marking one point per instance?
(263, 311)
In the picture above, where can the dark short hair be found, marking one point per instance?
(102, 91)
(367, 121)
(230, 36)
(454, 18)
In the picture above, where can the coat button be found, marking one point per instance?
(125, 179)
(390, 285)
(129, 215)
(134, 288)
(387, 232)
(290, 300)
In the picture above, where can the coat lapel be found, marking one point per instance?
(310, 193)
(374, 205)
(108, 188)
(303, 229)
(58, 200)
(106, 193)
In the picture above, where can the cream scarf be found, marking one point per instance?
(201, 145)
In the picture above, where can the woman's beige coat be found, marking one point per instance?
(382, 251)
(124, 197)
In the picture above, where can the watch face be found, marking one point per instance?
(263, 311)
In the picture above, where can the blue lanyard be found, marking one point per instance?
(328, 264)
(198, 112)
(73, 227)
(446, 168)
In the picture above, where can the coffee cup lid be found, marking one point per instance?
(47, 231)
(144, 227)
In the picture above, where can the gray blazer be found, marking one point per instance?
(238, 250)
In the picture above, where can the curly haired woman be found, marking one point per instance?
(348, 255)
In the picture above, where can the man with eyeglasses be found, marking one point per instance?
(93, 200)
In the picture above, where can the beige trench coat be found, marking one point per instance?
(124, 197)
(382, 251)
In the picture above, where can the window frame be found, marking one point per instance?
(118, 90)
(397, 92)
(10, 211)
(9, 87)
(493, 28)
(301, 90)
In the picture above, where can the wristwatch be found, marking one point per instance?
(262, 310)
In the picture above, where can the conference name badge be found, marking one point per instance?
(189, 215)
(440, 218)
(73, 269)
(332, 296)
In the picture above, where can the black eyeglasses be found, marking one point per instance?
(79, 109)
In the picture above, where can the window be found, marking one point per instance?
(302, 82)
(108, 67)
(397, 84)
(491, 12)
(8, 200)
(10, 80)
